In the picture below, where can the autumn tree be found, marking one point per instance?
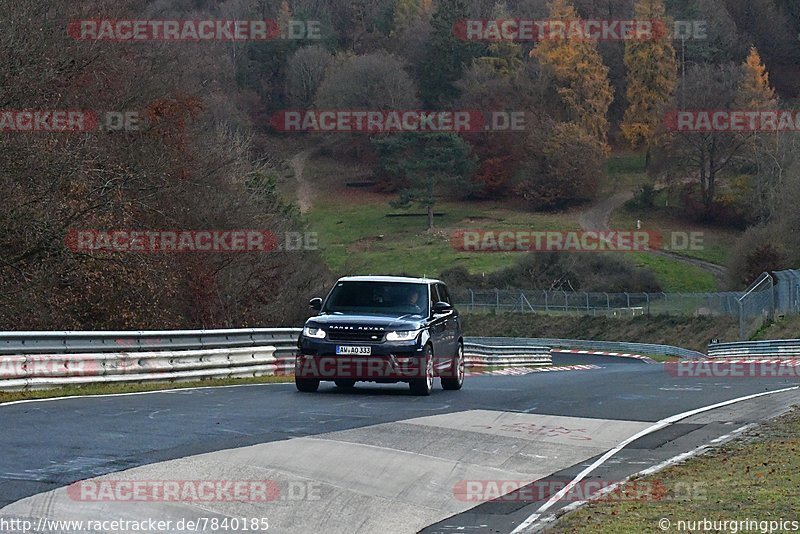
(427, 166)
(755, 92)
(768, 151)
(652, 77)
(580, 76)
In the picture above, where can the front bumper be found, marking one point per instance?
(389, 361)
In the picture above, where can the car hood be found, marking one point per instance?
(388, 322)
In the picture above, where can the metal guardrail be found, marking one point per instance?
(40, 360)
(609, 346)
(44, 371)
(784, 348)
(51, 359)
(16, 343)
(479, 355)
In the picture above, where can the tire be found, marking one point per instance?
(306, 385)
(454, 383)
(423, 386)
(345, 383)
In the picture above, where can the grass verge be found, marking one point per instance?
(783, 328)
(675, 276)
(115, 389)
(755, 477)
(710, 243)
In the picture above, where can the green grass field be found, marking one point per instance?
(361, 238)
(710, 244)
(675, 276)
(357, 236)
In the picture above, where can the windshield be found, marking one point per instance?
(395, 298)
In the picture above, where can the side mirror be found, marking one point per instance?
(442, 307)
(315, 304)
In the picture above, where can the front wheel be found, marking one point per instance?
(424, 386)
(306, 385)
(457, 368)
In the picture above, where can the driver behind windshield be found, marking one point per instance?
(415, 300)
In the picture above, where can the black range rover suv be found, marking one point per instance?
(382, 329)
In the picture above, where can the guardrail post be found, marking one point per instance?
(546, 305)
(497, 301)
(471, 300)
(647, 296)
(741, 320)
(771, 299)
(628, 296)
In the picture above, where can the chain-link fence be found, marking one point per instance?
(787, 292)
(779, 292)
(578, 302)
(756, 306)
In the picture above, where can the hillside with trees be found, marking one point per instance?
(209, 158)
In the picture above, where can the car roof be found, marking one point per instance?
(400, 279)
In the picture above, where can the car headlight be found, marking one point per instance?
(313, 332)
(402, 335)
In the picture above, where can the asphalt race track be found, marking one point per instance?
(374, 459)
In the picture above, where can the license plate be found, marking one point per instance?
(360, 351)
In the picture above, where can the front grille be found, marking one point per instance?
(355, 333)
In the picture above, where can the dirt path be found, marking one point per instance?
(598, 216)
(298, 164)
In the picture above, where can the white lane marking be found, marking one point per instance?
(654, 428)
(173, 391)
(649, 471)
(728, 436)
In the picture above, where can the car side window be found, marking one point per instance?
(434, 295)
(444, 295)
